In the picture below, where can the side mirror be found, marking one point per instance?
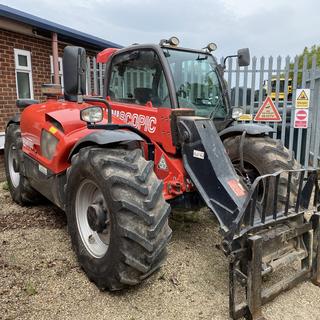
(243, 57)
(74, 73)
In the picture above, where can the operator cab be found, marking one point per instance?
(168, 76)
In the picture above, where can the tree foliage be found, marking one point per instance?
(307, 53)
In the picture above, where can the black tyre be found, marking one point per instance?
(117, 216)
(263, 155)
(19, 186)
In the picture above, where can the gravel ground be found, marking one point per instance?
(40, 277)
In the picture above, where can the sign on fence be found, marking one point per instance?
(301, 118)
(268, 112)
(301, 114)
(303, 98)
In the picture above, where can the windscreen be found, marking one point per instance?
(197, 83)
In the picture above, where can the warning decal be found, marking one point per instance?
(162, 164)
(237, 188)
(245, 117)
(303, 98)
(268, 112)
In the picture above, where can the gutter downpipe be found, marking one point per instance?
(55, 58)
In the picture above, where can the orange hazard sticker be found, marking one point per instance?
(237, 188)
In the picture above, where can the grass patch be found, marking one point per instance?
(30, 289)
(5, 186)
(183, 220)
(185, 216)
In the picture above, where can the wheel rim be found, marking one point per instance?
(96, 242)
(14, 176)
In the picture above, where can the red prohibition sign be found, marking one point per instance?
(301, 115)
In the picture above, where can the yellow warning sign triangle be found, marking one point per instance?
(303, 96)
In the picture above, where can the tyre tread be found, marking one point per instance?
(142, 213)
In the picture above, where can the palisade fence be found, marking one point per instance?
(95, 77)
(249, 86)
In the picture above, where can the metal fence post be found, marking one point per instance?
(317, 121)
(275, 125)
(95, 75)
(285, 101)
(253, 84)
(313, 109)
(229, 76)
(294, 89)
(261, 80)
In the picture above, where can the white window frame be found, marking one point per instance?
(60, 69)
(25, 69)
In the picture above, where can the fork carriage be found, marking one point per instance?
(265, 243)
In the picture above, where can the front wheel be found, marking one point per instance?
(117, 216)
(263, 155)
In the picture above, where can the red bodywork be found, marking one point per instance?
(103, 56)
(154, 122)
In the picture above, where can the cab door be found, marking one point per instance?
(139, 96)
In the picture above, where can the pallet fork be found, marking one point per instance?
(294, 236)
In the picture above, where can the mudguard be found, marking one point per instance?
(104, 137)
(250, 128)
(23, 103)
(15, 119)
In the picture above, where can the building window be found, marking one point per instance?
(24, 85)
(60, 71)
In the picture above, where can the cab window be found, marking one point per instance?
(137, 77)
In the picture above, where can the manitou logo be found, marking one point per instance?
(139, 121)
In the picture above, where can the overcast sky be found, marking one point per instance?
(272, 27)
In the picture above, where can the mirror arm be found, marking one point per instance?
(227, 57)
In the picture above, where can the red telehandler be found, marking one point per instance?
(163, 135)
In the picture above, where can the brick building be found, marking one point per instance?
(30, 55)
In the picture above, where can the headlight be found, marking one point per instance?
(236, 113)
(48, 144)
(92, 114)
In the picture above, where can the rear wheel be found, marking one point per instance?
(263, 155)
(117, 216)
(19, 186)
